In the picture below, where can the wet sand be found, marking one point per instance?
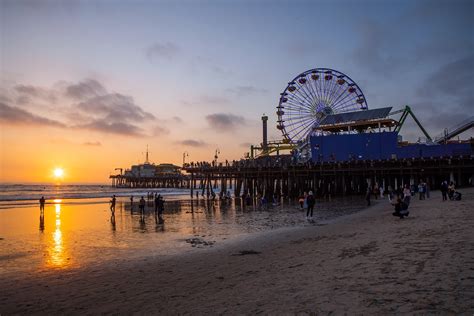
(364, 263)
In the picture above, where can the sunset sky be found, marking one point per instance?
(87, 85)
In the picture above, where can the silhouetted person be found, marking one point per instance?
(367, 195)
(42, 201)
(407, 195)
(131, 204)
(161, 208)
(141, 205)
(157, 199)
(444, 190)
(112, 204)
(310, 200)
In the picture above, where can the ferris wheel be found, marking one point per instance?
(313, 95)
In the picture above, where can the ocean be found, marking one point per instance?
(77, 228)
(26, 194)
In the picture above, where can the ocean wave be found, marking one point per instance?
(35, 192)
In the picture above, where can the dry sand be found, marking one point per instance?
(364, 263)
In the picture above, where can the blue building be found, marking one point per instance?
(378, 146)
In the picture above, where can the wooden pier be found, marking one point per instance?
(268, 178)
(159, 181)
(279, 176)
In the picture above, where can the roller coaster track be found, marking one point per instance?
(455, 130)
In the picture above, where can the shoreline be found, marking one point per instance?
(367, 262)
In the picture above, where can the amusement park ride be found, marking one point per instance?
(324, 101)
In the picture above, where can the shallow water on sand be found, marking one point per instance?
(79, 233)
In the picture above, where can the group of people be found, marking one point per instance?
(401, 201)
(159, 205)
(263, 201)
(449, 191)
(423, 190)
(307, 202)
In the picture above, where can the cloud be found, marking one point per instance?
(16, 116)
(111, 113)
(177, 119)
(83, 105)
(160, 130)
(28, 94)
(113, 128)
(446, 102)
(167, 51)
(373, 50)
(207, 100)
(193, 143)
(114, 107)
(225, 122)
(88, 88)
(5, 99)
(247, 90)
(93, 144)
(453, 79)
(199, 63)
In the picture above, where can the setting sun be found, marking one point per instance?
(58, 172)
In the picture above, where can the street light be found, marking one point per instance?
(185, 154)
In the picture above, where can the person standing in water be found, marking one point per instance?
(42, 201)
(161, 208)
(141, 205)
(112, 204)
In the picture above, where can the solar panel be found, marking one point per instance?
(356, 116)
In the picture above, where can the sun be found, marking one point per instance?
(58, 172)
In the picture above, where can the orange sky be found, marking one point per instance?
(30, 154)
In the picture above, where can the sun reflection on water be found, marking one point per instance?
(57, 255)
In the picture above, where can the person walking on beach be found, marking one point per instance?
(420, 191)
(444, 190)
(407, 194)
(160, 208)
(301, 200)
(367, 195)
(141, 206)
(451, 190)
(310, 201)
(112, 204)
(157, 198)
(42, 201)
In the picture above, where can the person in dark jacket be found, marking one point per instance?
(310, 201)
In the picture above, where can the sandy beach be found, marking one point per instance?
(364, 263)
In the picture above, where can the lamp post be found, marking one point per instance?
(185, 154)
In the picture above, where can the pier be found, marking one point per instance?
(332, 144)
(269, 177)
(157, 181)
